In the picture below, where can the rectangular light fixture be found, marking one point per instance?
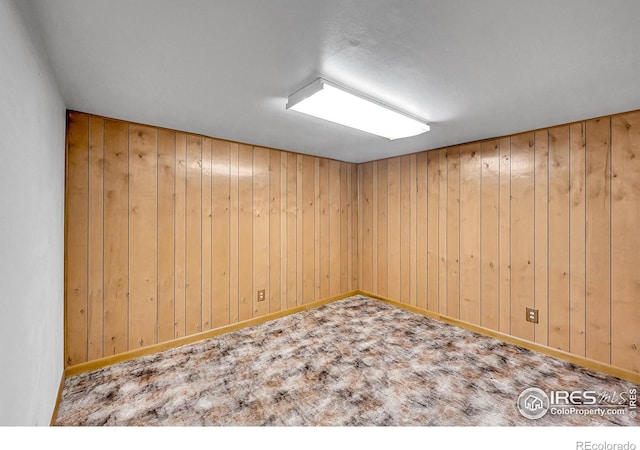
(328, 101)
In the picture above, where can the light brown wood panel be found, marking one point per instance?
(522, 233)
(335, 235)
(316, 228)
(277, 259)
(453, 232)
(308, 229)
(393, 231)
(422, 231)
(433, 193)
(353, 205)
(359, 204)
(541, 330)
(324, 236)
(504, 237)
(598, 240)
(559, 237)
(181, 235)
(577, 240)
(246, 292)
(489, 235)
(284, 261)
(234, 233)
(292, 229)
(166, 234)
(193, 314)
(374, 227)
(143, 235)
(77, 200)
(116, 237)
(207, 215)
(405, 229)
(625, 246)
(180, 231)
(345, 230)
(260, 231)
(221, 233)
(228, 185)
(470, 198)
(95, 254)
(382, 228)
(366, 252)
(300, 236)
(412, 230)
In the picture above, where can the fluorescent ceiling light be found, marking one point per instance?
(329, 101)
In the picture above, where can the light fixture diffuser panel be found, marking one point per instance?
(334, 103)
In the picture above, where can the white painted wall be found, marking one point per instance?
(32, 139)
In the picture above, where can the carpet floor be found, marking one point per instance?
(357, 361)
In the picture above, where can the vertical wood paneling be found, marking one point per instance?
(345, 234)
(180, 231)
(366, 207)
(382, 225)
(522, 233)
(95, 238)
(541, 240)
(559, 237)
(221, 233)
(181, 234)
(335, 236)
(489, 232)
(598, 239)
(433, 193)
(170, 233)
(245, 232)
(234, 233)
(324, 237)
(504, 237)
(317, 223)
(422, 231)
(353, 205)
(577, 240)
(308, 229)
(374, 227)
(284, 260)
(143, 238)
(393, 233)
(77, 263)
(193, 314)
(300, 236)
(625, 247)
(260, 231)
(405, 229)
(207, 215)
(166, 233)
(116, 238)
(412, 230)
(292, 229)
(277, 258)
(453, 232)
(470, 195)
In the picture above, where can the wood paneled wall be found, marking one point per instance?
(169, 234)
(545, 219)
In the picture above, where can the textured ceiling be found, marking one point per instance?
(473, 69)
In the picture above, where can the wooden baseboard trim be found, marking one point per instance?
(556, 353)
(131, 354)
(54, 414)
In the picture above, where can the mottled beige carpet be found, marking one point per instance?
(357, 361)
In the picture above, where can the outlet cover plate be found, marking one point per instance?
(532, 315)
